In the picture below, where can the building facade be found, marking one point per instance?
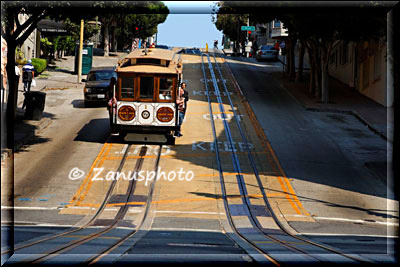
(268, 33)
(362, 66)
(28, 48)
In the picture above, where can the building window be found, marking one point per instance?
(277, 24)
(366, 73)
(344, 54)
(377, 66)
(332, 58)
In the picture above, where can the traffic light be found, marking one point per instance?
(249, 32)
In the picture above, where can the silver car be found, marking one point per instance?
(267, 52)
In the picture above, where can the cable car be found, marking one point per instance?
(144, 96)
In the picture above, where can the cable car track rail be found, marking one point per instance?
(223, 189)
(242, 187)
(87, 224)
(55, 252)
(113, 224)
(96, 258)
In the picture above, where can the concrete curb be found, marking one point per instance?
(355, 114)
(44, 123)
(6, 153)
(335, 110)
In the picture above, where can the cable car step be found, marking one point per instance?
(150, 138)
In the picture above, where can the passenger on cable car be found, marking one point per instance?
(111, 99)
(165, 95)
(183, 98)
(165, 89)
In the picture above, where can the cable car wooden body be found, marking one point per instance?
(145, 93)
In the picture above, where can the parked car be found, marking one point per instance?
(98, 52)
(193, 51)
(97, 88)
(267, 52)
(163, 47)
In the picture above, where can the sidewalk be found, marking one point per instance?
(343, 98)
(58, 76)
(61, 75)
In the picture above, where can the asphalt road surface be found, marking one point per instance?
(343, 204)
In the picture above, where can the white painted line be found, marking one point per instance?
(188, 212)
(35, 224)
(193, 245)
(345, 220)
(184, 229)
(29, 208)
(355, 221)
(349, 234)
(39, 224)
(54, 208)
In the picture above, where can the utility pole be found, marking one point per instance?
(80, 54)
(247, 35)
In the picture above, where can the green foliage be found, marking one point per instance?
(230, 24)
(146, 24)
(19, 56)
(40, 64)
(46, 46)
(73, 27)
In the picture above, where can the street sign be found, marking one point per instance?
(248, 28)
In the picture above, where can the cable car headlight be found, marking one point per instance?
(126, 113)
(145, 114)
(165, 114)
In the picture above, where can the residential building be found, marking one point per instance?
(277, 30)
(268, 33)
(362, 66)
(28, 48)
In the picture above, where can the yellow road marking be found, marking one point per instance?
(180, 155)
(292, 196)
(86, 180)
(91, 180)
(178, 200)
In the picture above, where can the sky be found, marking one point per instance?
(188, 25)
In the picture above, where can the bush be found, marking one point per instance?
(40, 64)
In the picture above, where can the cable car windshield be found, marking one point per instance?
(146, 87)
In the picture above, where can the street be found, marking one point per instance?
(311, 166)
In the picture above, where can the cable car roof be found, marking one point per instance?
(172, 69)
(140, 61)
(152, 53)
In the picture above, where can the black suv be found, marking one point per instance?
(97, 87)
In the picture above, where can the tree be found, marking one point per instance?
(230, 25)
(138, 26)
(146, 22)
(15, 32)
(318, 28)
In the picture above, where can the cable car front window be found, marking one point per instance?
(146, 87)
(127, 87)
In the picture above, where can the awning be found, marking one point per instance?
(50, 26)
